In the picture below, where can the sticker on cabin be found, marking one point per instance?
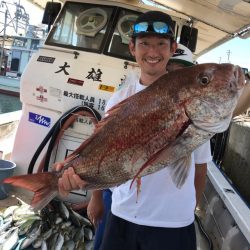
(41, 89)
(41, 98)
(95, 75)
(101, 104)
(86, 100)
(55, 92)
(106, 88)
(63, 68)
(75, 81)
(39, 119)
(46, 59)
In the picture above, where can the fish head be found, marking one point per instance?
(213, 91)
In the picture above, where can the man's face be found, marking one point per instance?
(152, 54)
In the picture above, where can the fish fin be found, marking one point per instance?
(136, 155)
(44, 185)
(166, 156)
(149, 162)
(179, 171)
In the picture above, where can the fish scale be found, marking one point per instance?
(157, 127)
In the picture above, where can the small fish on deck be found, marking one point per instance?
(36, 230)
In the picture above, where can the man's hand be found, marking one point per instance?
(95, 208)
(69, 181)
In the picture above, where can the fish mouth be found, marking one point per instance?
(214, 127)
(209, 124)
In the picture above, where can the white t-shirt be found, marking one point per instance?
(160, 203)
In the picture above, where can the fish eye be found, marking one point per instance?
(204, 79)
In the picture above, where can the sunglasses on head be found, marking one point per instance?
(157, 27)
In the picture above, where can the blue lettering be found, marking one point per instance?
(39, 119)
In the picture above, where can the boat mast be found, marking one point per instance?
(14, 18)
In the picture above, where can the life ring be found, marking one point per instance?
(125, 27)
(91, 21)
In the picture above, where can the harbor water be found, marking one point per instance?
(9, 103)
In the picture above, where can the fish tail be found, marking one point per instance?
(44, 185)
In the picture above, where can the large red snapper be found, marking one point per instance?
(157, 127)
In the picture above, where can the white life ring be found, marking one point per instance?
(91, 21)
(125, 28)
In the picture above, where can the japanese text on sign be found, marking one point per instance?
(63, 68)
(87, 100)
(94, 75)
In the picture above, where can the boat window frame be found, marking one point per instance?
(108, 27)
(108, 41)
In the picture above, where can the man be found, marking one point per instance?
(100, 202)
(161, 216)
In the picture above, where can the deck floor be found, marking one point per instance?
(19, 195)
(16, 196)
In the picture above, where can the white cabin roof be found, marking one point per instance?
(217, 20)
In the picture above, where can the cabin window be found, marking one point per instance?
(81, 26)
(94, 28)
(34, 44)
(15, 62)
(20, 42)
(118, 45)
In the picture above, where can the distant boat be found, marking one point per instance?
(17, 53)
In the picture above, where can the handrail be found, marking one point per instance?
(10, 117)
(232, 200)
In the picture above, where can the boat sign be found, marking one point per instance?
(39, 119)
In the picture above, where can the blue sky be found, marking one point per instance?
(35, 13)
(240, 53)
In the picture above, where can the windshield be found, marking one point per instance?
(94, 28)
(117, 44)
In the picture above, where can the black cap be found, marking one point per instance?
(155, 16)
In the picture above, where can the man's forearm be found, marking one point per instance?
(97, 193)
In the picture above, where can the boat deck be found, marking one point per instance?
(17, 195)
